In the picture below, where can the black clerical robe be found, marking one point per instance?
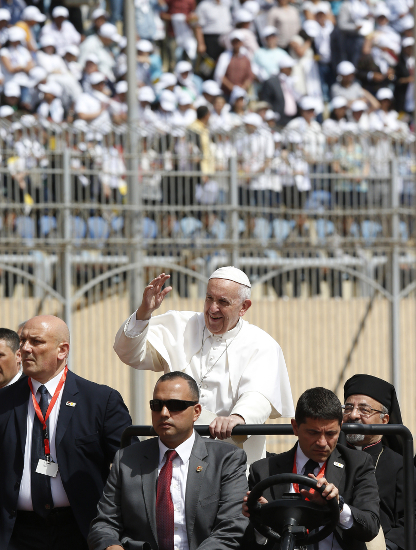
(389, 476)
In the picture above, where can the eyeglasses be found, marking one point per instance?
(363, 410)
(173, 405)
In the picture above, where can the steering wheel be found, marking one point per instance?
(292, 513)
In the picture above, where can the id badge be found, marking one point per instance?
(47, 468)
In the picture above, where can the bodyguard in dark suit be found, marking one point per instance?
(177, 490)
(83, 432)
(10, 360)
(348, 475)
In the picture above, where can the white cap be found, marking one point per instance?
(32, 13)
(270, 115)
(11, 89)
(166, 80)
(383, 40)
(144, 46)
(408, 41)
(4, 15)
(183, 67)
(60, 11)
(252, 6)
(384, 93)
(231, 273)
(243, 16)
(169, 106)
(277, 137)
(121, 87)
(184, 98)
(236, 34)
(96, 78)
(167, 100)
(51, 87)
(307, 103)
(381, 10)
(345, 67)
(47, 40)
(338, 102)
(122, 43)
(37, 74)
(6, 110)
(405, 23)
(236, 93)
(146, 94)
(211, 87)
(93, 58)
(311, 28)
(16, 34)
(269, 31)
(358, 105)
(321, 7)
(72, 49)
(287, 62)
(98, 12)
(253, 119)
(108, 30)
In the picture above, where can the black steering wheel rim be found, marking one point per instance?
(280, 479)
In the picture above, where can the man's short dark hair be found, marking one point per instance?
(318, 403)
(178, 374)
(11, 338)
(202, 112)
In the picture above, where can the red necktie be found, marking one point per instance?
(164, 504)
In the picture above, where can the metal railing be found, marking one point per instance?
(286, 429)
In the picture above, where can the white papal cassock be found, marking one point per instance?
(240, 372)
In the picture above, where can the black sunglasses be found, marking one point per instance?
(173, 405)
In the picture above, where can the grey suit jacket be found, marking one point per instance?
(127, 509)
(356, 483)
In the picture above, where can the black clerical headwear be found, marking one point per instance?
(384, 393)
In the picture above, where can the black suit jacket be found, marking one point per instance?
(356, 483)
(215, 488)
(271, 91)
(87, 438)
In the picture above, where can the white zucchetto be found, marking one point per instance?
(232, 273)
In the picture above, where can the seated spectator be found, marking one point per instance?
(386, 119)
(71, 60)
(146, 97)
(185, 114)
(165, 113)
(268, 59)
(214, 20)
(31, 16)
(333, 127)
(370, 400)
(187, 80)
(238, 102)
(51, 108)
(148, 23)
(220, 119)
(118, 107)
(61, 29)
(210, 90)
(31, 99)
(4, 22)
(149, 64)
(93, 107)
(317, 425)
(234, 67)
(10, 358)
(308, 128)
(98, 17)
(285, 17)
(100, 45)
(405, 77)
(90, 67)
(348, 87)
(382, 16)
(376, 66)
(359, 115)
(16, 58)
(145, 514)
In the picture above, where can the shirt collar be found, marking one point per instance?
(302, 459)
(184, 449)
(229, 334)
(15, 378)
(51, 385)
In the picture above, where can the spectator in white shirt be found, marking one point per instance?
(51, 108)
(61, 29)
(268, 59)
(359, 115)
(100, 45)
(214, 20)
(16, 59)
(31, 17)
(93, 107)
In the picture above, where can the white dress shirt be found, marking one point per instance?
(59, 495)
(15, 378)
(180, 466)
(345, 517)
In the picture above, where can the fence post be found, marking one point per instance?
(395, 279)
(137, 378)
(234, 210)
(67, 251)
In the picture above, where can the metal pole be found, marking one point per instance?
(234, 212)
(67, 253)
(395, 281)
(137, 382)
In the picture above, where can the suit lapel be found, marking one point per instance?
(65, 413)
(335, 473)
(150, 463)
(282, 464)
(20, 412)
(196, 474)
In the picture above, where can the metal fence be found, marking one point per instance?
(323, 226)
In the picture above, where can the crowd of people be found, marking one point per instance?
(64, 484)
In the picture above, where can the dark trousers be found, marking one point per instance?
(58, 532)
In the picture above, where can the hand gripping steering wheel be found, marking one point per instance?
(287, 519)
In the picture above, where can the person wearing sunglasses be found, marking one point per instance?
(371, 400)
(239, 368)
(177, 490)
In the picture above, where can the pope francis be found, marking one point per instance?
(239, 368)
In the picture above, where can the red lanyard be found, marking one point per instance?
(321, 474)
(48, 412)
